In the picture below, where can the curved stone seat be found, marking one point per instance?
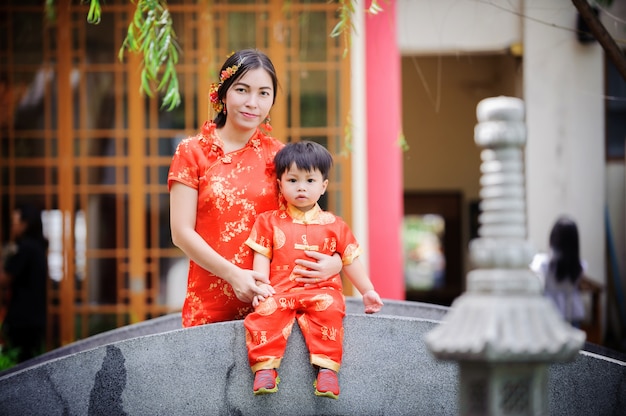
(387, 370)
(172, 322)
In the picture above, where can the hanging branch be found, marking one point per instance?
(598, 30)
(95, 11)
(151, 34)
(345, 26)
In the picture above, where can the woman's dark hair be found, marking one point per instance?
(565, 260)
(31, 216)
(306, 155)
(244, 60)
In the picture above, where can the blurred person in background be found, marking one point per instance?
(23, 278)
(561, 271)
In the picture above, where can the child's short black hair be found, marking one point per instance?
(307, 155)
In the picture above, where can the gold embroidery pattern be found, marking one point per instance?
(287, 330)
(304, 324)
(267, 307)
(229, 188)
(287, 304)
(279, 238)
(305, 245)
(329, 334)
(351, 252)
(322, 301)
(325, 217)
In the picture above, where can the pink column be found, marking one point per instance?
(384, 155)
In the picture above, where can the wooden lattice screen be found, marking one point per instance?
(80, 140)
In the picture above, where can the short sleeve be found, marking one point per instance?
(262, 235)
(184, 167)
(348, 248)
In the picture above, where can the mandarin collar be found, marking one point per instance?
(210, 137)
(305, 217)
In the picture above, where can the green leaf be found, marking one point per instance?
(95, 12)
(145, 83)
(151, 35)
(172, 98)
(50, 11)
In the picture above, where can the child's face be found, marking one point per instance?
(301, 188)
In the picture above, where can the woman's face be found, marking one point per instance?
(17, 225)
(249, 99)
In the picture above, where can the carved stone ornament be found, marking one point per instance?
(502, 330)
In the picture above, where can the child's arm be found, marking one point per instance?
(261, 264)
(357, 275)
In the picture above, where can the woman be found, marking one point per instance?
(561, 271)
(219, 181)
(25, 274)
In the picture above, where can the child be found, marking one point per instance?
(278, 238)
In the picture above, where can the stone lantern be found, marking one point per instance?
(503, 332)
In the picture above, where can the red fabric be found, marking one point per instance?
(283, 235)
(232, 189)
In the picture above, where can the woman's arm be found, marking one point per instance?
(183, 205)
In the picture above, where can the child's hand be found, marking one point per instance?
(372, 302)
(259, 298)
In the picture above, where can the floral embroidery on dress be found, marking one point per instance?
(232, 190)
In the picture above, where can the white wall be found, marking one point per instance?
(563, 90)
(452, 26)
(565, 158)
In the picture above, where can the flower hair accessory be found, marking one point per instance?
(218, 105)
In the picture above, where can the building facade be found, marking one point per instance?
(398, 112)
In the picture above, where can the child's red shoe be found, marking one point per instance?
(266, 381)
(327, 384)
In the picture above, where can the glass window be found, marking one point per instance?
(615, 113)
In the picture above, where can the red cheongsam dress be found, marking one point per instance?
(233, 189)
(282, 236)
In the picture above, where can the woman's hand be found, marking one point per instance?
(248, 284)
(259, 298)
(321, 268)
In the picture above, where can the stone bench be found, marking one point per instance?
(387, 369)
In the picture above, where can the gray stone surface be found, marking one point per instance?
(203, 370)
(172, 321)
(387, 370)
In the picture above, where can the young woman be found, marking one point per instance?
(220, 180)
(25, 274)
(561, 270)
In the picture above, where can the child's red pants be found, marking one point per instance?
(319, 312)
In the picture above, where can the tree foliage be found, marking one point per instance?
(151, 34)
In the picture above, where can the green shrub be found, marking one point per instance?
(8, 357)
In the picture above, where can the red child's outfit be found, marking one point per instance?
(282, 236)
(233, 189)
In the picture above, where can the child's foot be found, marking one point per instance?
(266, 381)
(327, 384)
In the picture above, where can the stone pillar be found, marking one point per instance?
(502, 330)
